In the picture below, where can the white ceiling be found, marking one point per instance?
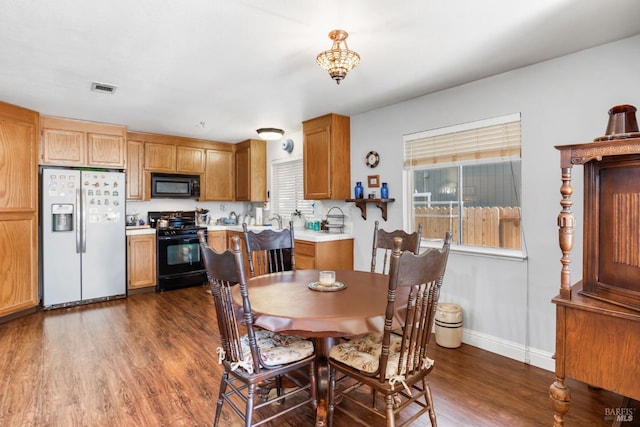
(219, 69)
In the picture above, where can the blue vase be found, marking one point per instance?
(384, 191)
(359, 190)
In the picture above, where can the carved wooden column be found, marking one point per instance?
(566, 224)
(559, 393)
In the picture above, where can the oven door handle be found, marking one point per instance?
(179, 240)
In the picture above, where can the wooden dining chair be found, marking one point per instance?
(269, 251)
(387, 365)
(383, 245)
(257, 357)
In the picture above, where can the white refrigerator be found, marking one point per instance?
(82, 235)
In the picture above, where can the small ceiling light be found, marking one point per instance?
(270, 134)
(339, 60)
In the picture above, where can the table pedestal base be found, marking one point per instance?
(322, 347)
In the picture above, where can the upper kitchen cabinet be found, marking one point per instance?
(327, 161)
(251, 170)
(172, 154)
(213, 161)
(159, 157)
(135, 170)
(190, 160)
(18, 209)
(218, 176)
(68, 142)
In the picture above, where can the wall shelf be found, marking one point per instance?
(380, 203)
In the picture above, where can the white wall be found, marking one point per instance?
(507, 304)
(276, 153)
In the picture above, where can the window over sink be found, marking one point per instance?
(287, 189)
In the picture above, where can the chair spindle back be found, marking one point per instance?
(270, 251)
(424, 274)
(224, 271)
(383, 242)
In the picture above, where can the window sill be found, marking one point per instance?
(507, 254)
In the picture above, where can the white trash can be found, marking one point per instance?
(448, 325)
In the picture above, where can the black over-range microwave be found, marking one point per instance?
(167, 185)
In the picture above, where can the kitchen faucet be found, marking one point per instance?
(278, 218)
(233, 216)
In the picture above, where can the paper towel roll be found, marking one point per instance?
(258, 216)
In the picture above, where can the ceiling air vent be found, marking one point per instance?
(103, 87)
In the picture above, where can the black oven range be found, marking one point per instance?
(178, 251)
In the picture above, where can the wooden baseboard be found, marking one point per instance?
(18, 314)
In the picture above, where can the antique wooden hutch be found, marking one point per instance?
(598, 318)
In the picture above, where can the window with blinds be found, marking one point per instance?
(287, 189)
(496, 138)
(466, 179)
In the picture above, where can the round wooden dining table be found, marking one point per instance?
(285, 302)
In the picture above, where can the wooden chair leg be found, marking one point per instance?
(249, 407)
(429, 398)
(223, 389)
(332, 396)
(279, 389)
(312, 384)
(391, 418)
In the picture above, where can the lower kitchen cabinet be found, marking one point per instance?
(332, 255)
(328, 255)
(217, 240)
(141, 261)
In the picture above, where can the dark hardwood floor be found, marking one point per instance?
(149, 360)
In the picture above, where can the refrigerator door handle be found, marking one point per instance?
(78, 222)
(84, 221)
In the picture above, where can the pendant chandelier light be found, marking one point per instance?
(339, 60)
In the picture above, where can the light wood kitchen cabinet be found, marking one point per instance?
(218, 176)
(327, 157)
(217, 240)
(189, 160)
(251, 170)
(213, 161)
(18, 210)
(135, 170)
(332, 255)
(68, 142)
(159, 157)
(141, 261)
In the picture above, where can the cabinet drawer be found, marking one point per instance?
(305, 248)
(305, 263)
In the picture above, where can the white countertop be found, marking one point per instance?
(298, 234)
(137, 230)
(302, 234)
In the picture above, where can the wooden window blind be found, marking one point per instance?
(493, 138)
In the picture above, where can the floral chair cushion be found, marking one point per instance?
(277, 349)
(363, 353)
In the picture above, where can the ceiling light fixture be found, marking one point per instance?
(339, 60)
(270, 134)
